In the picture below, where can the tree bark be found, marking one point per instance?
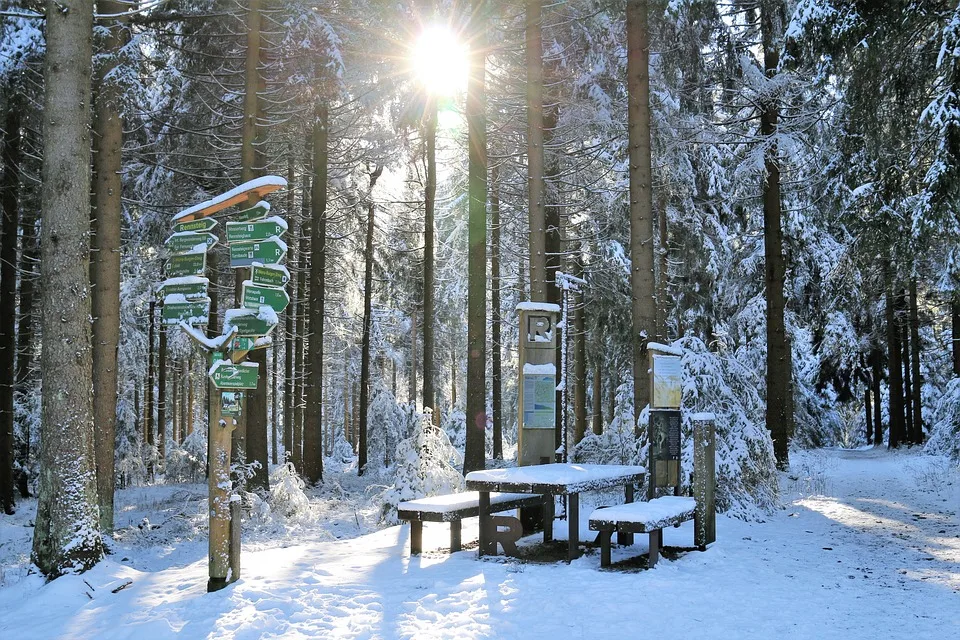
(895, 369)
(10, 204)
(495, 338)
(779, 360)
(313, 428)
(579, 361)
(877, 373)
(907, 382)
(367, 321)
(915, 363)
(66, 534)
(162, 398)
(643, 290)
(303, 299)
(597, 398)
(288, 319)
(474, 456)
(429, 320)
(151, 378)
(536, 189)
(412, 382)
(955, 331)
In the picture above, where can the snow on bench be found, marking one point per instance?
(641, 517)
(453, 508)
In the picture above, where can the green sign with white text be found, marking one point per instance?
(187, 241)
(190, 287)
(255, 231)
(269, 276)
(244, 254)
(203, 224)
(187, 264)
(258, 212)
(226, 375)
(255, 296)
(250, 324)
(193, 312)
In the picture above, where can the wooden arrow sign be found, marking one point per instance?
(203, 224)
(190, 287)
(256, 296)
(255, 231)
(271, 251)
(226, 375)
(177, 309)
(187, 264)
(256, 188)
(190, 241)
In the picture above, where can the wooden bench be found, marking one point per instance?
(453, 508)
(641, 517)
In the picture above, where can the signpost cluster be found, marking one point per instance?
(253, 241)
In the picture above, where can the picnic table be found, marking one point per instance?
(549, 480)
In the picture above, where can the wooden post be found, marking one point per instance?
(219, 492)
(704, 479)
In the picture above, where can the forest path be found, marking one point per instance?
(895, 512)
(867, 546)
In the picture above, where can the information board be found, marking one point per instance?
(665, 432)
(539, 401)
(667, 381)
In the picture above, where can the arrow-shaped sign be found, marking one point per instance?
(190, 241)
(270, 251)
(226, 375)
(177, 309)
(258, 211)
(190, 287)
(249, 322)
(187, 264)
(256, 296)
(203, 224)
(255, 231)
(272, 276)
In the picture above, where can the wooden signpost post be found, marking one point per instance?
(253, 242)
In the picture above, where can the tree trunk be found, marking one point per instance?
(303, 299)
(474, 456)
(151, 378)
(536, 189)
(367, 320)
(597, 399)
(955, 331)
(162, 398)
(429, 320)
(895, 369)
(177, 409)
(915, 363)
(554, 243)
(579, 361)
(313, 427)
(288, 318)
(66, 534)
(453, 380)
(29, 258)
(644, 295)
(779, 360)
(495, 339)
(867, 409)
(275, 406)
(907, 382)
(108, 129)
(188, 423)
(877, 372)
(10, 204)
(412, 382)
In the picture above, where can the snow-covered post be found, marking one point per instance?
(538, 382)
(663, 434)
(704, 479)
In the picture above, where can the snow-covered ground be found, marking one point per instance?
(868, 546)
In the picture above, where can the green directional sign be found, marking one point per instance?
(176, 310)
(244, 254)
(257, 212)
(190, 287)
(187, 264)
(203, 224)
(269, 276)
(253, 231)
(248, 323)
(256, 296)
(242, 343)
(226, 375)
(188, 241)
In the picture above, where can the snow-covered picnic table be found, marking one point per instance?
(550, 480)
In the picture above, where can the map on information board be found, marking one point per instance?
(667, 381)
(539, 401)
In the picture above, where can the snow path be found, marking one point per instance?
(868, 547)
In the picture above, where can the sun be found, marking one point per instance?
(439, 61)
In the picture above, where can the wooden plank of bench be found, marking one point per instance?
(641, 517)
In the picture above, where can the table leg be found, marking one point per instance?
(548, 505)
(573, 525)
(485, 523)
(626, 538)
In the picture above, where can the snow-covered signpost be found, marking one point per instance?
(666, 382)
(186, 303)
(537, 400)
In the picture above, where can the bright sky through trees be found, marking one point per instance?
(439, 61)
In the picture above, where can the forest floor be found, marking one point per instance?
(866, 546)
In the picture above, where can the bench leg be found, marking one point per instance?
(605, 548)
(416, 537)
(573, 526)
(656, 539)
(623, 538)
(455, 539)
(486, 526)
(548, 506)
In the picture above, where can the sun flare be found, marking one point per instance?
(439, 61)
